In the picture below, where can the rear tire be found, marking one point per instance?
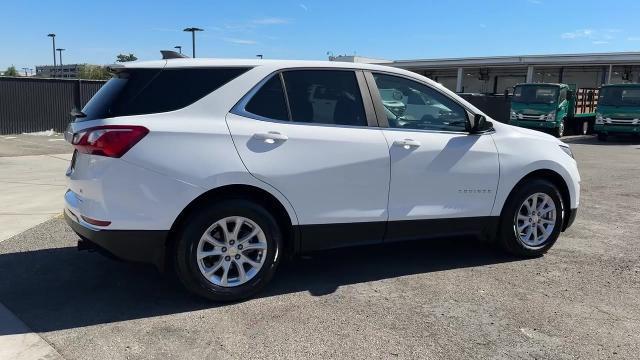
(520, 213)
(217, 262)
(602, 137)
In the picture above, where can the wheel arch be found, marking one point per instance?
(285, 219)
(556, 179)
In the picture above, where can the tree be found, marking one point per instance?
(11, 71)
(93, 72)
(125, 58)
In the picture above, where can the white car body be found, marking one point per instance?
(324, 176)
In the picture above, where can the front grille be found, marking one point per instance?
(530, 117)
(621, 121)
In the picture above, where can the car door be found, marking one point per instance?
(443, 179)
(331, 165)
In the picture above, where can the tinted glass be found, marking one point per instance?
(619, 96)
(412, 105)
(147, 91)
(325, 97)
(269, 101)
(531, 94)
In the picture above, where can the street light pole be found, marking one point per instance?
(179, 48)
(53, 38)
(60, 52)
(193, 30)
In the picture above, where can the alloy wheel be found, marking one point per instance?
(231, 251)
(535, 220)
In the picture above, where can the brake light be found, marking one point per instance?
(110, 140)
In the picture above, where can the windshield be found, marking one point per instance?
(535, 94)
(619, 96)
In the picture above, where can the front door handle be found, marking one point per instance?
(407, 143)
(271, 136)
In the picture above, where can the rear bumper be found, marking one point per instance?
(147, 246)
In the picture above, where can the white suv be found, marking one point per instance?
(221, 167)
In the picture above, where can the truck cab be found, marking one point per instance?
(541, 106)
(618, 110)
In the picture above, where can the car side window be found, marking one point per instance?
(409, 104)
(269, 101)
(324, 97)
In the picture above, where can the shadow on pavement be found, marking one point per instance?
(61, 288)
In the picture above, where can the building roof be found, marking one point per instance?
(524, 60)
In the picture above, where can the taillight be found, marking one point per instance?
(110, 140)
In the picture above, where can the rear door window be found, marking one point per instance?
(324, 97)
(148, 91)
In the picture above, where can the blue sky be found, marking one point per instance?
(96, 31)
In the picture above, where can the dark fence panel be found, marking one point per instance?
(496, 106)
(32, 104)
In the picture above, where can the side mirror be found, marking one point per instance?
(479, 123)
(569, 95)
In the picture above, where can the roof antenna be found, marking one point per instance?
(170, 54)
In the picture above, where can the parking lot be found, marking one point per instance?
(453, 298)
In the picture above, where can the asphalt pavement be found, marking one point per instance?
(437, 299)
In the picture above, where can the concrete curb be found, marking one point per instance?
(18, 342)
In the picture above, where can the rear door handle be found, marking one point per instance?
(271, 136)
(407, 143)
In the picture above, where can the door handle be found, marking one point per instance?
(407, 143)
(271, 136)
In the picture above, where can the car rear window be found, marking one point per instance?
(148, 91)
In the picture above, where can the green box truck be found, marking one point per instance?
(618, 110)
(553, 107)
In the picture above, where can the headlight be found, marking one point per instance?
(513, 115)
(567, 150)
(551, 116)
(599, 118)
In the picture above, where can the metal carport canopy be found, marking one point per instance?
(524, 60)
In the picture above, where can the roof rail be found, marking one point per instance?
(170, 54)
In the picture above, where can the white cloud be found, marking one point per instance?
(633, 38)
(483, 26)
(270, 21)
(596, 36)
(584, 33)
(240, 41)
(537, 2)
(304, 7)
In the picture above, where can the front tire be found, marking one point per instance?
(228, 251)
(531, 219)
(602, 137)
(559, 131)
